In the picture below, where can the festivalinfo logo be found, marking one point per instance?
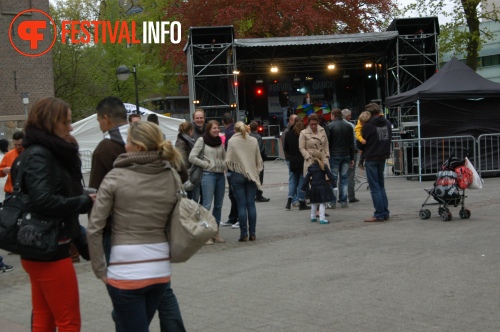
(36, 26)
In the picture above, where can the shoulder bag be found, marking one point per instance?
(23, 232)
(189, 226)
(196, 172)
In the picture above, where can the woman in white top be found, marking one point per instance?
(140, 193)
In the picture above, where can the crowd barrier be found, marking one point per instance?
(409, 157)
(414, 157)
(273, 147)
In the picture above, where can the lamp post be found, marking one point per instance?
(122, 74)
(26, 101)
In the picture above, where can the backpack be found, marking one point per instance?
(464, 176)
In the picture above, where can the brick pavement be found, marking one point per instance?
(405, 274)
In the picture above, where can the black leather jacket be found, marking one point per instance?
(50, 189)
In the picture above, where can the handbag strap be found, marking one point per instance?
(202, 152)
(178, 182)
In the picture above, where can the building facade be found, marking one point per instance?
(22, 75)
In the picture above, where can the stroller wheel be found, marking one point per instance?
(446, 216)
(468, 213)
(424, 214)
(462, 214)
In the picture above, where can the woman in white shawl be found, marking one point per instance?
(244, 162)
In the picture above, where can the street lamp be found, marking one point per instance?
(26, 101)
(122, 74)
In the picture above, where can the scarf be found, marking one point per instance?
(243, 156)
(141, 158)
(212, 141)
(65, 153)
(187, 139)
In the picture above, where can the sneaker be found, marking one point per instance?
(314, 219)
(296, 203)
(330, 206)
(344, 204)
(6, 268)
(262, 199)
(322, 222)
(236, 226)
(226, 223)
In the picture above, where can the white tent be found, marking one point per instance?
(88, 134)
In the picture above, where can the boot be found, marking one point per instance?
(303, 205)
(217, 238)
(288, 204)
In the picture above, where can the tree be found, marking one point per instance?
(462, 35)
(278, 18)
(85, 73)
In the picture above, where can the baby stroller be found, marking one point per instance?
(449, 189)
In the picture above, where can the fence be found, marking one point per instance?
(411, 160)
(86, 157)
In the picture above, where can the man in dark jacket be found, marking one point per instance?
(253, 132)
(341, 145)
(378, 133)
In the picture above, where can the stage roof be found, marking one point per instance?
(312, 53)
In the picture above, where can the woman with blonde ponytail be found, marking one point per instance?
(140, 192)
(244, 161)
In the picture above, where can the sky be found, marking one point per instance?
(441, 18)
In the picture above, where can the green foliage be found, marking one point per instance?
(461, 36)
(85, 73)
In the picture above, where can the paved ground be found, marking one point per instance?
(405, 274)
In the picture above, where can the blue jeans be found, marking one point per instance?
(351, 178)
(169, 312)
(290, 179)
(233, 213)
(195, 193)
(375, 177)
(295, 186)
(213, 186)
(340, 165)
(244, 191)
(135, 308)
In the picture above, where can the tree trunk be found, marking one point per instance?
(470, 10)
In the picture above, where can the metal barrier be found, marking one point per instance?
(488, 147)
(273, 148)
(86, 157)
(418, 157)
(425, 157)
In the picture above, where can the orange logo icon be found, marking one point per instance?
(31, 31)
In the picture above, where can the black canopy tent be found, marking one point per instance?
(456, 101)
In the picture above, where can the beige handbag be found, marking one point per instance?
(189, 227)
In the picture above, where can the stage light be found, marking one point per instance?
(259, 92)
(260, 129)
(196, 102)
(331, 66)
(368, 65)
(274, 69)
(236, 72)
